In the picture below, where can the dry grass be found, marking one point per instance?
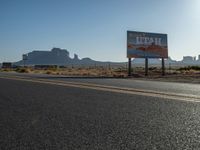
(172, 74)
(91, 72)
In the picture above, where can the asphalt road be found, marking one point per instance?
(45, 116)
(181, 88)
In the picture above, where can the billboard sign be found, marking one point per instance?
(146, 45)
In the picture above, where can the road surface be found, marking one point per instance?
(182, 88)
(38, 112)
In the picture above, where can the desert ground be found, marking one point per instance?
(189, 74)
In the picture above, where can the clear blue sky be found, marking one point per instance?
(96, 28)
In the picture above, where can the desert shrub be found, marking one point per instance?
(6, 69)
(195, 68)
(152, 68)
(53, 68)
(49, 72)
(22, 70)
(188, 68)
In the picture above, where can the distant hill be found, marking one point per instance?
(58, 56)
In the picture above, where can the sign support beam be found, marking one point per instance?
(163, 66)
(129, 66)
(146, 66)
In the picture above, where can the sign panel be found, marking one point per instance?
(146, 45)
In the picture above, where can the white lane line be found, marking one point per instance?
(174, 96)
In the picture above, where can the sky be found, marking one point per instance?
(96, 28)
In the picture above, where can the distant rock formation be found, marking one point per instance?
(76, 57)
(60, 57)
(57, 56)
